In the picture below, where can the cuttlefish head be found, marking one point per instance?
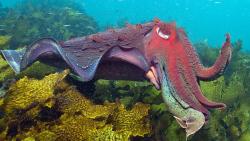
(160, 46)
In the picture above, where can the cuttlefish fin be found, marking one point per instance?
(47, 48)
(21, 59)
(13, 58)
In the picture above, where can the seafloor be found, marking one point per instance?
(45, 104)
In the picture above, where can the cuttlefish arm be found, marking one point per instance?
(188, 118)
(217, 69)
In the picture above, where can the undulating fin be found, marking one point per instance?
(13, 57)
(38, 48)
(83, 61)
(21, 59)
(83, 55)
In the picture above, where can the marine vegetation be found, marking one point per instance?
(37, 70)
(34, 19)
(6, 71)
(4, 40)
(52, 109)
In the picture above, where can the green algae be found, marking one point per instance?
(48, 18)
(6, 71)
(4, 40)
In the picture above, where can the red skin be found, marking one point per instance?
(183, 65)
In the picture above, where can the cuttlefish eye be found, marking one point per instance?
(161, 34)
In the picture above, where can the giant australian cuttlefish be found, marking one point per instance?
(156, 51)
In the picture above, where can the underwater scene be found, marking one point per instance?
(124, 70)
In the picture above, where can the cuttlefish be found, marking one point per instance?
(158, 52)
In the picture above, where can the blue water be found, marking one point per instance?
(204, 20)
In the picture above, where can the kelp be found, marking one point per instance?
(119, 125)
(53, 109)
(25, 92)
(34, 19)
(127, 92)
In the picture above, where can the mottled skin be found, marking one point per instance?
(156, 51)
(184, 68)
(183, 71)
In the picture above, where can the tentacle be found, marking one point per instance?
(195, 89)
(213, 72)
(180, 84)
(190, 119)
(220, 64)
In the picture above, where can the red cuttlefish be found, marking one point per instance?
(156, 51)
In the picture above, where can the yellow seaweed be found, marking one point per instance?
(81, 118)
(131, 121)
(28, 91)
(84, 120)
(108, 134)
(46, 136)
(71, 102)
